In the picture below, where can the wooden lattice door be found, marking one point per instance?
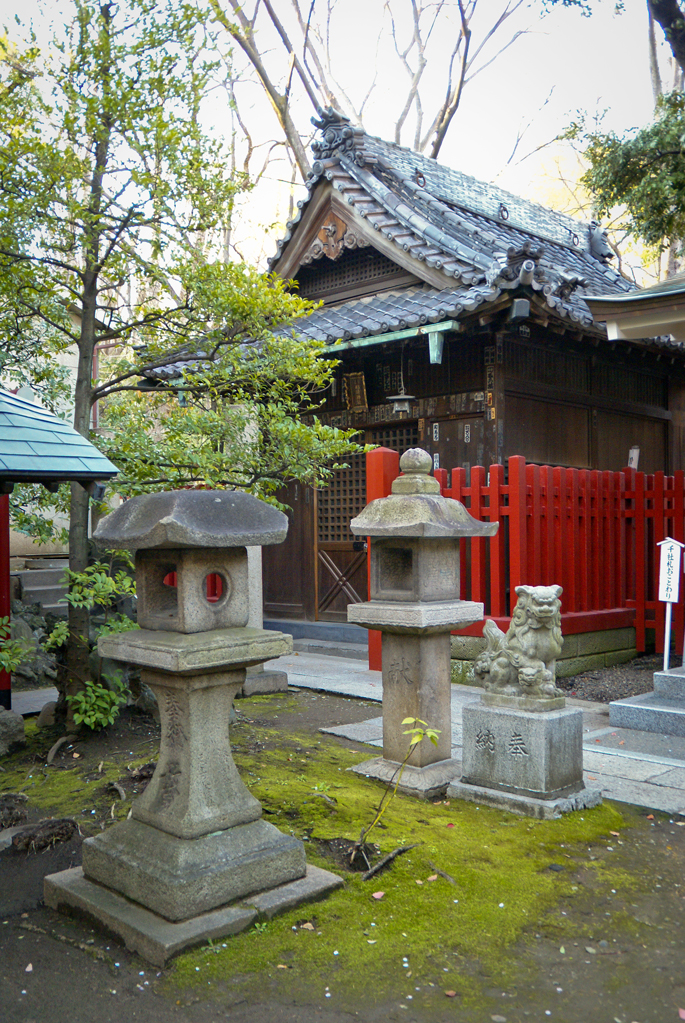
(397, 437)
(341, 574)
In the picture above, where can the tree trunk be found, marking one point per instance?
(78, 648)
(670, 17)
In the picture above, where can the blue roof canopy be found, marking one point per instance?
(38, 447)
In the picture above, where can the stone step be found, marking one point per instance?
(338, 632)
(331, 648)
(43, 563)
(649, 713)
(43, 594)
(41, 577)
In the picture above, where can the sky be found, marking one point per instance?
(562, 65)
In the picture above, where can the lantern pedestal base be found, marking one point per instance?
(425, 782)
(157, 939)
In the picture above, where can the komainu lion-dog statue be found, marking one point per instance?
(522, 662)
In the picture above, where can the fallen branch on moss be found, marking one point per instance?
(387, 860)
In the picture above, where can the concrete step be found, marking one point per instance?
(330, 648)
(41, 577)
(42, 594)
(649, 713)
(335, 632)
(43, 563)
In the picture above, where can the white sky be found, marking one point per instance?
(565, 64)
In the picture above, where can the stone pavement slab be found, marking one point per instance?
(32, 701)
(642, 768)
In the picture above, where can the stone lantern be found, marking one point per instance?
(195, 859)
(415, 603)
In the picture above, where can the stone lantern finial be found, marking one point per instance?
(416, 465)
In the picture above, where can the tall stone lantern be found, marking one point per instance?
(415, 603)
(195, 859)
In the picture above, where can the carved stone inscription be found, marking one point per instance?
(539, 754)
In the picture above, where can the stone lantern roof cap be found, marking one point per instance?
(191, 519)
(416, 507)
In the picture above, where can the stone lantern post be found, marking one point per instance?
(415, 603)
(195, 859)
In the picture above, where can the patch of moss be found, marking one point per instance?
(425, 924)
(462, 673)
(71, 786)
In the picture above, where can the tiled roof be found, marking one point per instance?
(469, 230)
(37, 446)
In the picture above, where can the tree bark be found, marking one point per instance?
(670, 16)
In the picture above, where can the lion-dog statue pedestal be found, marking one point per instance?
(523, 748)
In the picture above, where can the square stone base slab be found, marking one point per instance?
(179, 878)
(156, 939)
(543, 809)
(538, 704)
(428, 782)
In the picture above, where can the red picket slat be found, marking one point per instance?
(639, 532)
(534, 526)
(498, 582)
(478, 551)
(517, 524)
(583, 541)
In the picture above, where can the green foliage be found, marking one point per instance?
(113, 202)
(96, 586)
(13, 652)
(99, 588)
(58, 637)
(642, 172)
(417, 730)
(96, 706)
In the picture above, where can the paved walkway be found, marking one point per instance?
(642, 768)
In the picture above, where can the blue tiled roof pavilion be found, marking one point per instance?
(38, 447)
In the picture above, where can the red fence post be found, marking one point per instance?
(382, 467)
(478, 587)
(640, 558)
(498, 576)
(517, 524)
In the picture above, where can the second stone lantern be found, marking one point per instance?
(414, 536)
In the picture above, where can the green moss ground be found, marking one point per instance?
(432, 935)
(70, 787)
(499, 864)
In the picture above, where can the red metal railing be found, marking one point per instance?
(594, 533)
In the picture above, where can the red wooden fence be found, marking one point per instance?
(594, 533)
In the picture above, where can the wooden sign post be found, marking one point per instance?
(669, 585)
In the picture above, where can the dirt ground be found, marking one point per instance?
(606, 956)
